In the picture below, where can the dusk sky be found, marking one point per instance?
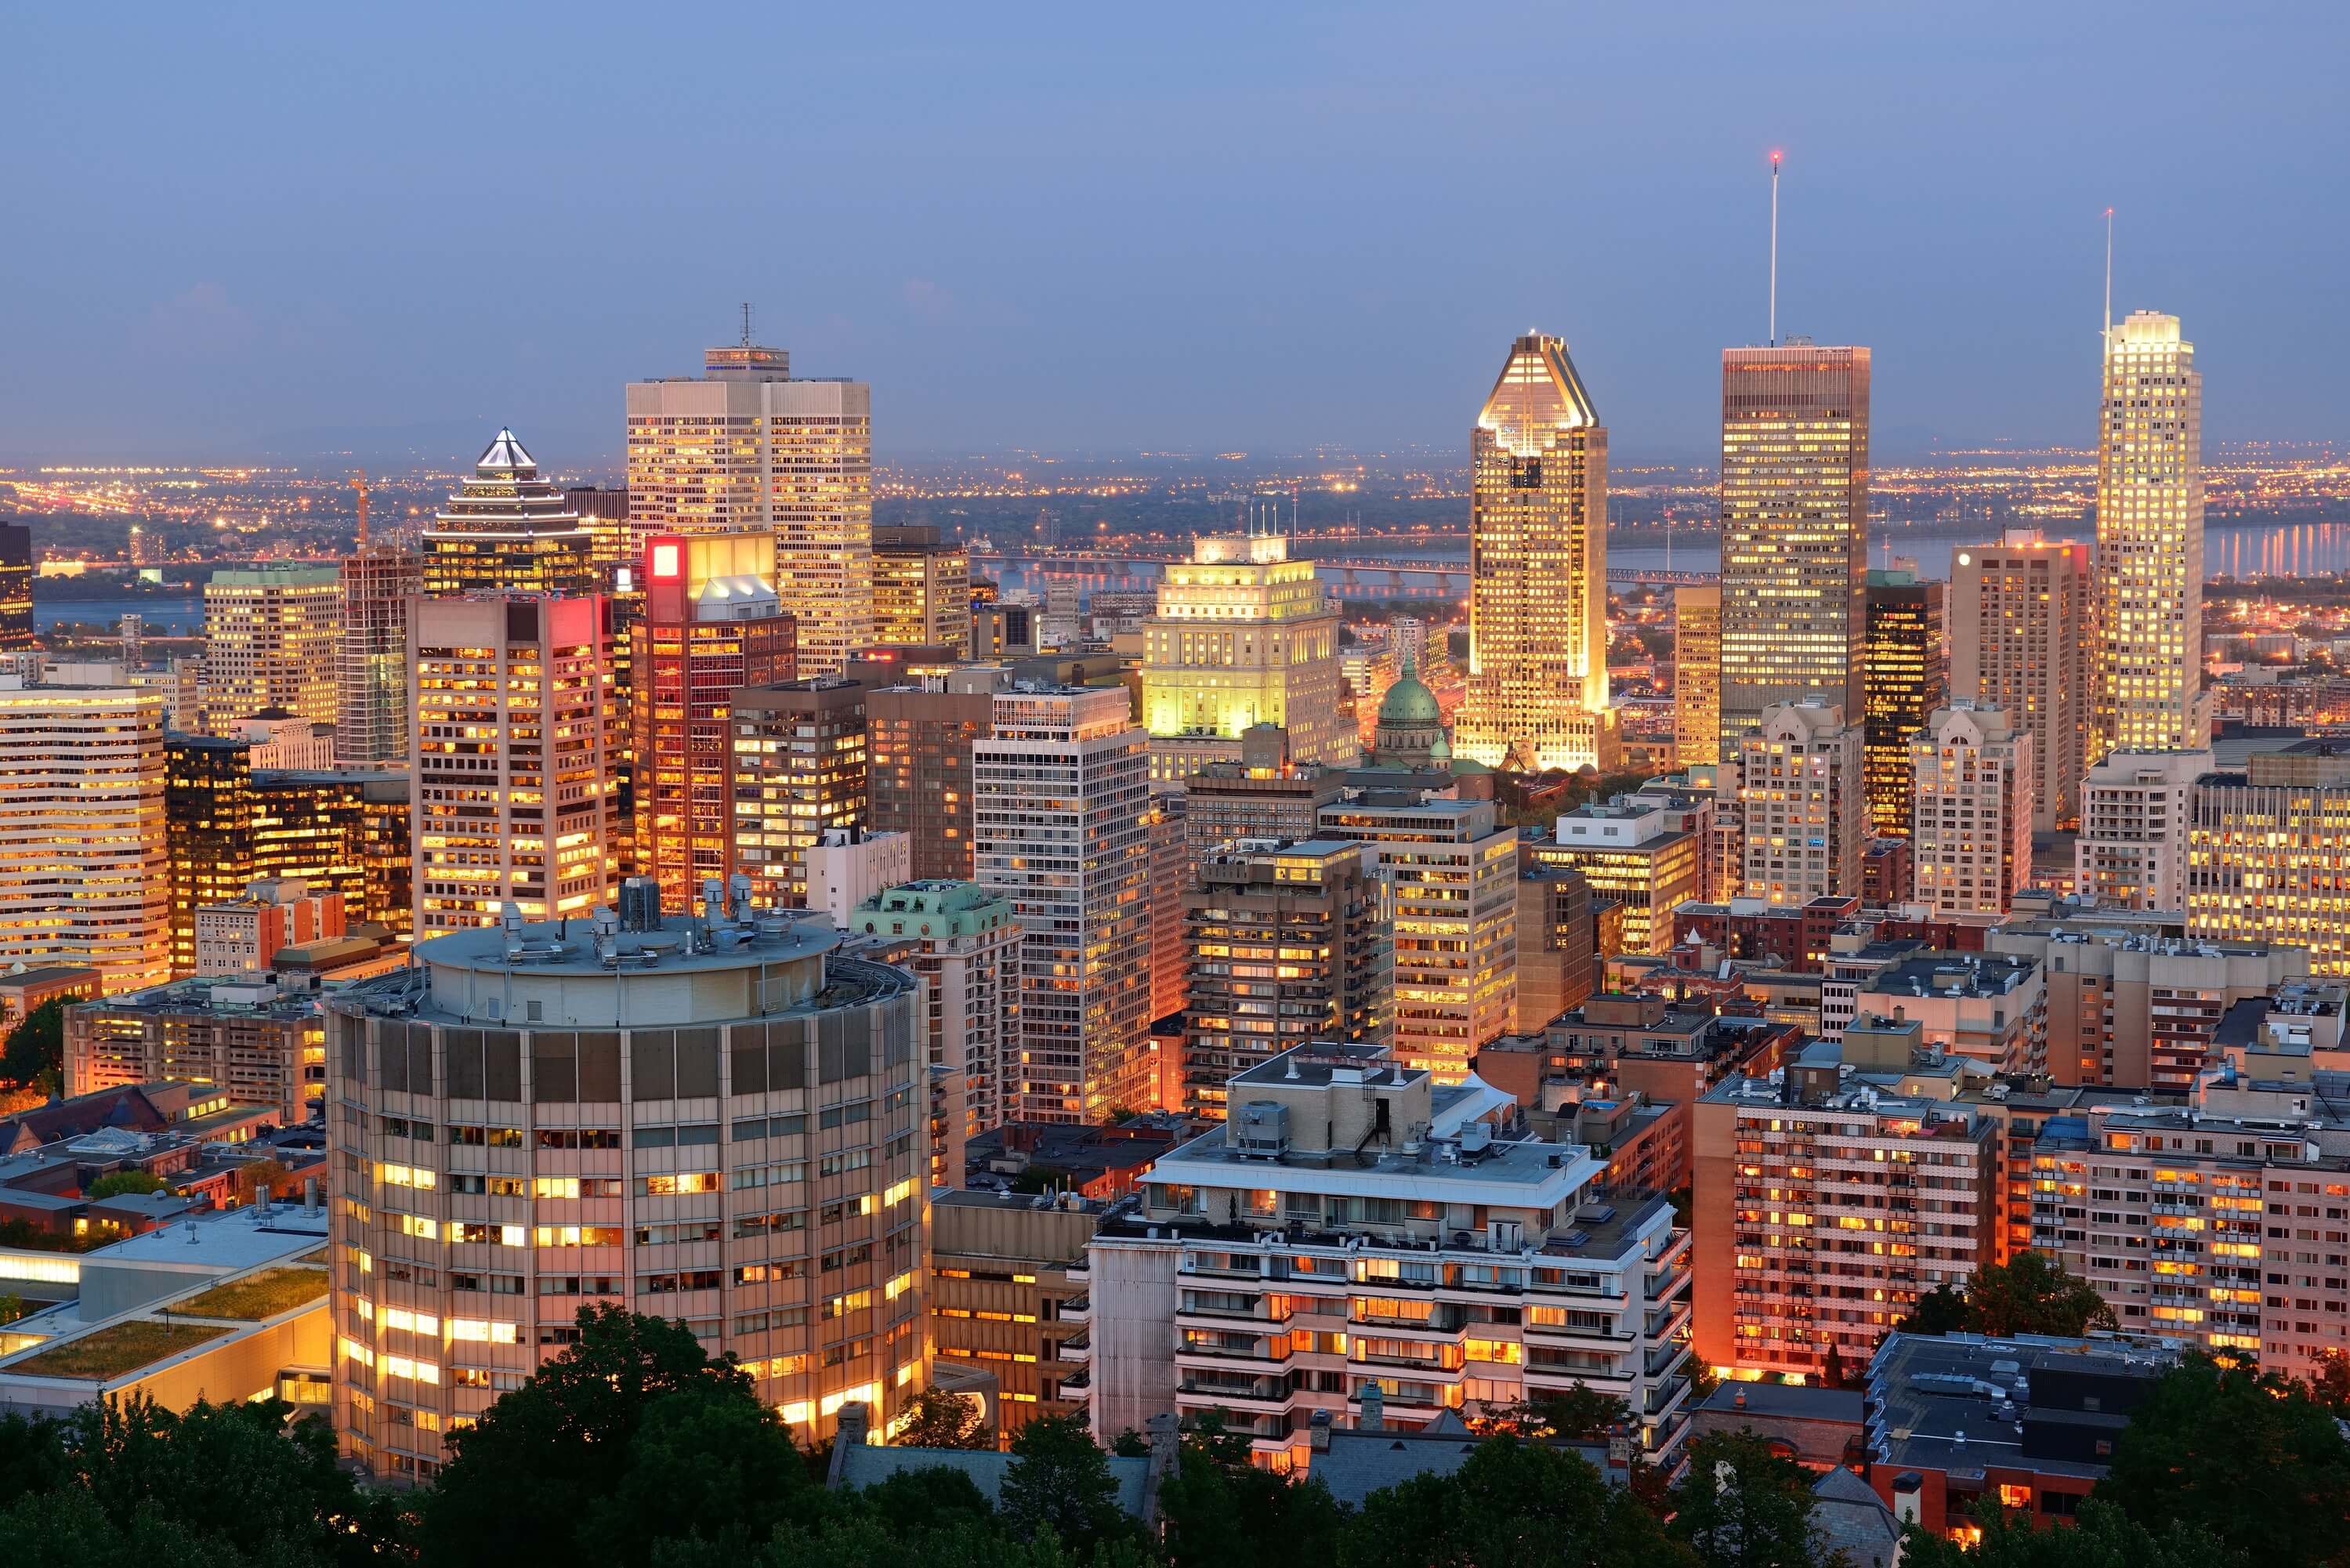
(1110, 228)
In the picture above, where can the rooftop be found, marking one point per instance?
(1954, 975)
(1961, 1402)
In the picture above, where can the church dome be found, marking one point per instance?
(1408, 701)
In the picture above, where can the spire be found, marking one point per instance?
(1539, 394)
(504, 455)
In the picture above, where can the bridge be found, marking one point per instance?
(1139, 572)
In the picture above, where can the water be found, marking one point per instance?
(163, 617)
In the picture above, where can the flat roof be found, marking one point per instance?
(236, 1239)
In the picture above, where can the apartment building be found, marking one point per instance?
(1802, 797)
(244, 934)
(1260, 797)
(1557, 944)
(1991, 1008)
(1000, 1267)
(1633, 856)
(918, 744)
(256, 1041)
(1970, 794)
(964, 942)
(2017, 613)
(2135, 824)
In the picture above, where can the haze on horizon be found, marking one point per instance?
(1067, 228)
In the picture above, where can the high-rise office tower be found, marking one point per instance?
(371, 668)
(710, 625)
(344, 832)
(1802, 796)
(1905, 675)
(2150, 542)
(207, 832)
(1538, 571)
(1060, 791)
(514, 753)
(271, 636)
(1243, 636)
(604, 510)
(2017, 611)
(921, 589)
(1794, 530)
(83, 872)
(1696, 675)
(745, 445)
(1970, 852)
(918, 740)
(2264, 853)
(15, 586)
(799, 773)
(507, 530)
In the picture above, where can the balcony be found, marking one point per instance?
(1076, 1309)
(1077, 1351)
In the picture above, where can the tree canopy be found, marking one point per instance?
(2030, 1294)
(34, 1054)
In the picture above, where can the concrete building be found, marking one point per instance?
(1991, 1008)
(1285, 944)
(1060, 791)
(1802, 797)
(244, 935)
(1798, 936)
(1262, 797)
(917, 743)
(848, 866)
(1971, 847)
(280, 742)
(746, 446)
(1000, 1266)
(272, 639)
(744, 1155)
(1451, 876)
(2265, 852)
(1630, 853)
(371, 662)
(2135, 824)
(259, 1044)
(516, 755)
(23, 990)
(1557, 944)
(1697, 674)
(964, 942)
(1905, 677)
(799, 771)
(2018, 611)
(921, 591)
(1358, 1244)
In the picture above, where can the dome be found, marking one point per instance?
(1409, 702)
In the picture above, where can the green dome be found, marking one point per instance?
(1409, 702)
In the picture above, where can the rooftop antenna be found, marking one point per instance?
(2109, 272)
(747, 324)
(360, 485)
(1775, 248)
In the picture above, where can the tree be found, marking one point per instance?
(1578, 1415)
(2330, 1386)
(12, 1306)
(940, 1419)
(629, 1442)
(1739, 1505)
(2033, 1295)
(1059, 1481)
(2247, 1456)
(1220, 1510)
(34, 1054)
(2101, 1537)
(245, 1185)
(1511, 1502)
(1940, 1311)
(1037, 1178)
(115, 1183)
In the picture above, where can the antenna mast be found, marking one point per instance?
(747, 324)
(2109, 272)
(1775, 250)
(360, 484)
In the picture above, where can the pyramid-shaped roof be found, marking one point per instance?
(1539, 394)
(505, 455)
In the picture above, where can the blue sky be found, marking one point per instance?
(1195, 227)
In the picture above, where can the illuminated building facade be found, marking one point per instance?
(921, 591)
(1794, 530)
(2018, 611)
(272, 639)
(710, 625)
(743, 1153)
(964, 942)
(515, 749)
(84, 877)
(507, 530)
(1697, 674)
(1538, 571)
(15, 586)
(2266, 850)
(1805, 804)
(371, 668)
(1970, 852)
(241, 1036)
(1243, 636)
(2150, 541)
(2136, 811)
(799, 772)
(1904, 678)
(346, 832)
(208, 832)
(918, 764)
(746, 446)
(1060, 794)
(1632, 855)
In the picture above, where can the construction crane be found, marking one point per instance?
(360, 485)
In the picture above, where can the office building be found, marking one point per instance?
(799, 772)
(515, 755)
(2017, 612)
(1286, 945)
(83, 869)
(964, 942)
(243, 935)
(999, 1274)
(1259, 797)
(1632, 854)
(371, 666)
(1538, 571)
(1060, 790)
(1824, 1205)
(1803, 802)
(918, 740)
(1358, 1244)
(921, 591)
(709, 625)
(1558, 954)
(1904, 678)
(612, 546)
(208, 832)
(2149, 567)
(742, 1153)
(1970, 851)
(257, 1044)
(1451, 876)
(507, 530)
(272, 639)
(2265, 853)
(1170, 874)
(744, 445)
(1794, 531)
(2135, 821)
(1007, 629)
(1243, 636)
(346, 833)
(15, 586)
(1697, 674)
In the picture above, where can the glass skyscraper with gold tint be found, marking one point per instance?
(1696, 675)
(1537, 571)
(507, 530)
(2150, 542)
(1794, 530)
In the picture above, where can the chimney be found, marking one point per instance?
(850, 1434)
(1374, 1416)
(1166, 1458)
(1318, 1427)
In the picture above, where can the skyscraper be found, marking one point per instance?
(1538, 571)
(710, 627)
(745, 444)
(918, 740)
(1243, 636)
(1696, 675)
(516, 749)
(207, 832)
(799, 772)
(2017, 614)
(1794, 530)
(371, 668)
(271, 640)
(507, 530)
(17, 585)
(2150, 542)
(1905, 675)
(921, 589)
